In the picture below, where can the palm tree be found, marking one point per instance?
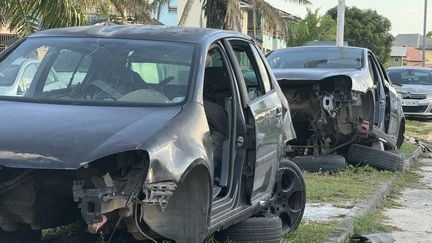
(312, 27)
(224, 14)
(27, 16)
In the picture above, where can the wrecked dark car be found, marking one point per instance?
(163, 132)
(338, 96)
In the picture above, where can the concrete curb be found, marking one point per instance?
(346, 227)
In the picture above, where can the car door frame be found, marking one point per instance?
(379, 114)
(262, 190)
(395, 105)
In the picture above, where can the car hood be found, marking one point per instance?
(50, 136)
(360, 78)
(414, 88)
(311, 73)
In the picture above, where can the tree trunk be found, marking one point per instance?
(254, 22)
(186, 12)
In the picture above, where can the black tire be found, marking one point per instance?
(255, 229)
(21, 235)
(320, 163)
(384, 160)
(401, 135)
(288, 200)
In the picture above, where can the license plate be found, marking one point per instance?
(410, 102)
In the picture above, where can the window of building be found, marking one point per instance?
(396, 60)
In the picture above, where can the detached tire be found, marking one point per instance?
(363, 155)
(254, 229)
(320, 163)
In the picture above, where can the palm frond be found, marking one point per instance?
(271, 16)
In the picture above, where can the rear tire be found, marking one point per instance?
(320, 163)
(362, 155)
(255, 229)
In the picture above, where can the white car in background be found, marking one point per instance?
(15, 78)
(414, 86)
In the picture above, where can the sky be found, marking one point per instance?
(406, 16)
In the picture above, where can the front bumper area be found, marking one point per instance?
(422, 108)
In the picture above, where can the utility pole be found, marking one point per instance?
(341, 23)
(424, 34)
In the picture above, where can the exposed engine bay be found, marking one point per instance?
(326, 114)
(101, 193)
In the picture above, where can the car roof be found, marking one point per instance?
(143, 32)
(410, 68)
(322, 47)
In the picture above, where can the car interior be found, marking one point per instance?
(217, 97)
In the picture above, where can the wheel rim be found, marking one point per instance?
(288, 199)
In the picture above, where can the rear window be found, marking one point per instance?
(334, 58)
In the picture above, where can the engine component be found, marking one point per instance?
(159, 193)
(327, 103)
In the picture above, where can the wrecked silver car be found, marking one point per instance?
(338, 96)
(153, 130)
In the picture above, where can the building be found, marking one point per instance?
(412, 40)
(398, 56)
(266, 37)
(407, 50)
(6, 38)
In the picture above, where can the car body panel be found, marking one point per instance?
(361, 83)
(361, 80)
(176, 138)
(70, 136)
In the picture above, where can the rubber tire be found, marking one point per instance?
(320, 163)
(21, 235)
(255, 229)
(401, 135)
(292, 165)
(384, 160)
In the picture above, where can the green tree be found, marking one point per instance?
(367, 28)
(429, 34)
(312, 27)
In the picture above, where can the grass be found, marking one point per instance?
(418, 129)
(346, 187)
(407, 148)
(404, 179)
(371, 223)
(312, 231)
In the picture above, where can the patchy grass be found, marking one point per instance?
(404, 179)
(311, 231)
(346, 187)
(407, 148)
(418, 129)
(371, 223)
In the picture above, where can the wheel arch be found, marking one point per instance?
(190, 202)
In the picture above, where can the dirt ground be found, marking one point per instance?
(414, 219)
